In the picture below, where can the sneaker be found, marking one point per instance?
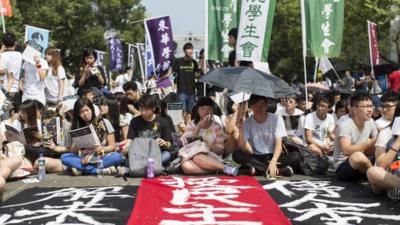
(76, 172)
(286, 171)
(394, 194)
(121, 171)
(110, 170)
(252, 171)
(231, 170)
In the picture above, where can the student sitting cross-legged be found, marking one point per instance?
(84, 116)
(151, 125)
(385, 176)
(212, 134)
(260, 141)
(355, 138)
(319, 128)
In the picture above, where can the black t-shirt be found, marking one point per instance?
(158, 128)
(232, 58)
(185, 75)
(92, 81)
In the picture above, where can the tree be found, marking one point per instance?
(78, 24)
(285, 55)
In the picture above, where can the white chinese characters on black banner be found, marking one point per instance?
(69, 206)
(327, 202)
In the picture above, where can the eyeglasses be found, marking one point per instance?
(365, 106)
(290, 101)
(388, 106)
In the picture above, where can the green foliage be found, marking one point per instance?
(285, 54)
(78, 24)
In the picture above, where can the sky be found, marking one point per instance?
(186, 15)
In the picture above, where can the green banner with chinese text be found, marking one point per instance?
(324, 27)
(221, 17)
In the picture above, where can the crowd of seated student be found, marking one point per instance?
(252, 133)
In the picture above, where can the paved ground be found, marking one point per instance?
(61, 180)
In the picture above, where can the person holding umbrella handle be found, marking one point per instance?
(260, 141)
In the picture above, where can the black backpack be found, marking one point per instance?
(310, 163)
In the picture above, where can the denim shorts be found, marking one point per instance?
(187, 102)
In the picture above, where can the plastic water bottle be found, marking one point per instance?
(150, 168)
(42, 167)
(100, 167)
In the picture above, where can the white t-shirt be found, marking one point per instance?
(96, 110)
(348, 129)
(69, 88)
(299, 132)
(319, 128)
(16, 124)
(384, 137)
(282, 112)
(12, 61)
(343, 119)
(279, 107)
(120, 80)
(261, 136)
(51, 81)
(382, 123)
(33, 86)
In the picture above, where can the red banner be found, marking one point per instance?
(7, 10)
(205, 201)
(373, 43)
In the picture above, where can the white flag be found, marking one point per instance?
(324, 65)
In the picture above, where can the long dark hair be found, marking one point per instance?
(122, 102)
(30, 108)
(55, 59)
(77, 121)
(113, 114)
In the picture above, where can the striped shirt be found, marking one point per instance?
(214, 135)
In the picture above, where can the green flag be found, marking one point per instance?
(323, 23)
(221, 17)
(255, 28)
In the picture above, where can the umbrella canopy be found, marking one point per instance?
(247, 79)
(317, 87)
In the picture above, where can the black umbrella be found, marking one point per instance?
(247, 79)
(382, 69)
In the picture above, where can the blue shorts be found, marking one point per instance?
(187, 102)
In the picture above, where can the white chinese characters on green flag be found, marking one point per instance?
(324, 27)
(221, 17)
(255, 28)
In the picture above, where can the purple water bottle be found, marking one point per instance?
(150, 168)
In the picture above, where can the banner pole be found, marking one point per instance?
(206, 45)
(370, 49)
(316, 69)
(303, 31)
(2, 17)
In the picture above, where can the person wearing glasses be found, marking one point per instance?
(384, 176)
(293, 119)
(355, 139)
(389, 101)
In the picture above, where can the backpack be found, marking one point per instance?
(139, 151)
(310, 163)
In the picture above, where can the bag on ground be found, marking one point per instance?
(139, 151)
(311, 163)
